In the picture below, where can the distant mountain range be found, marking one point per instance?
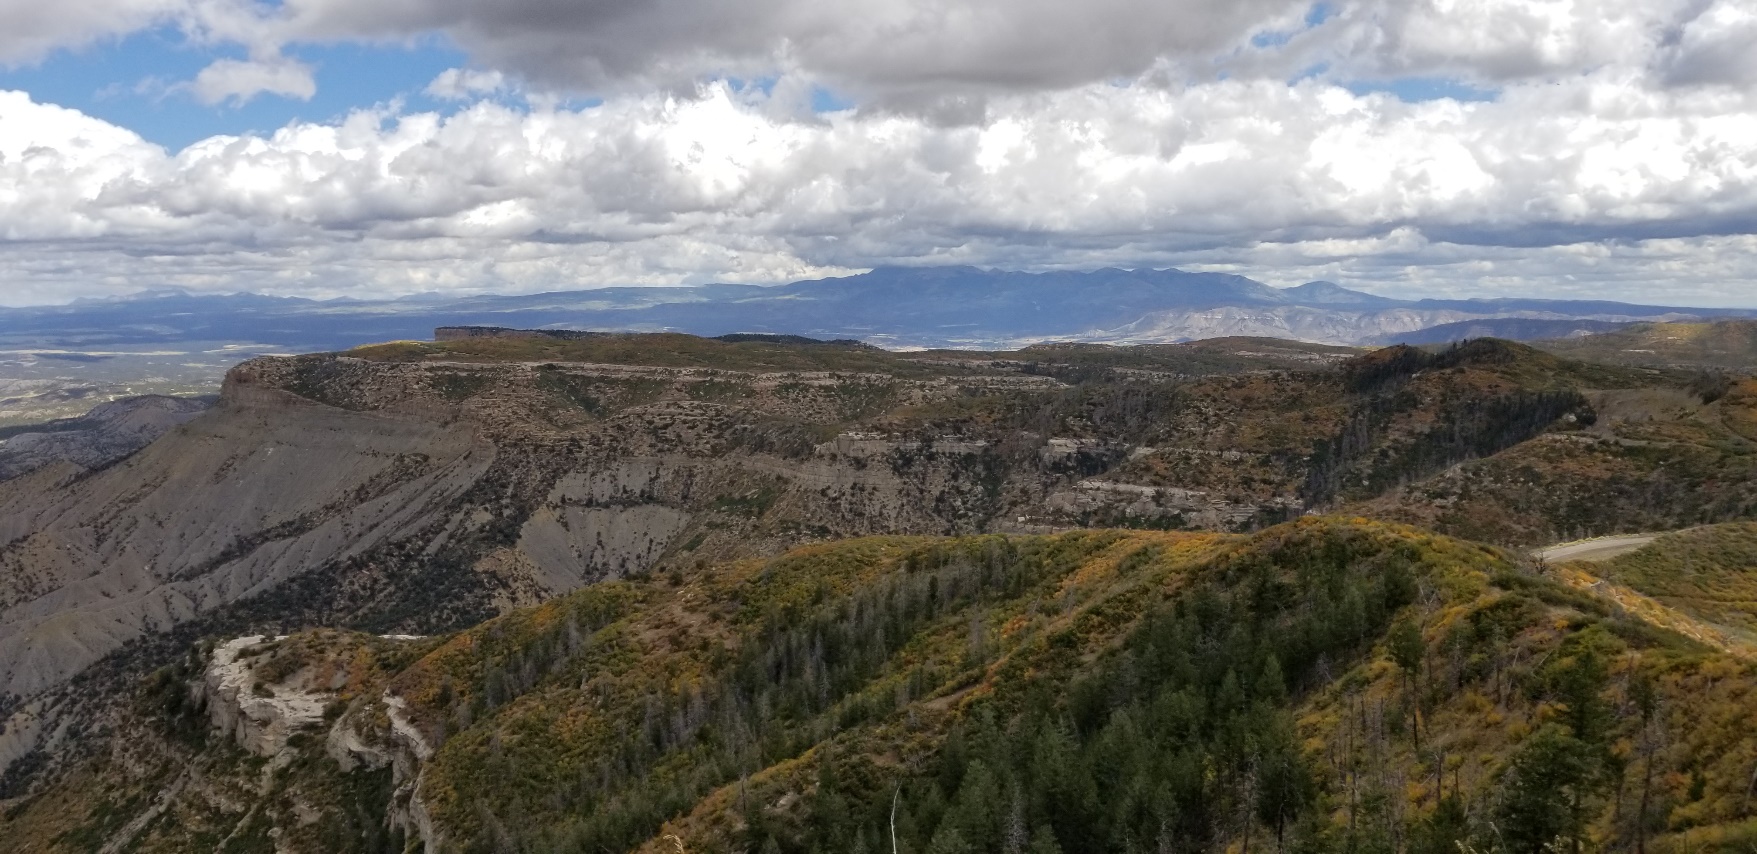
(893, 307)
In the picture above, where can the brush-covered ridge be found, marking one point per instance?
(1326, 685)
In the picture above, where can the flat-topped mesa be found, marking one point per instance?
(462, 333)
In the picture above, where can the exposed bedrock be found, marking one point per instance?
(265, 488)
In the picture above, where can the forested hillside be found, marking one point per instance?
(1655, 459)
(1328, 685)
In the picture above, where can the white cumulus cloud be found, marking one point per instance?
(238, 81)
(1614, 160)
(462, 84)
(664, 188)
(30, 30)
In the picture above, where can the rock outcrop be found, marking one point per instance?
(259, 715)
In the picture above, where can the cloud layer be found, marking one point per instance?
(28, 31)
(917, 50)
(1614, 161)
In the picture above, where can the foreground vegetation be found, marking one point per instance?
(1327, 685)
(1709, 573)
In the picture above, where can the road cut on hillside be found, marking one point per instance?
(1600, 549)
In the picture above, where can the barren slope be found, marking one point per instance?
(265, 489)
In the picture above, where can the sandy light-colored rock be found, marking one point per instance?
(260, 717)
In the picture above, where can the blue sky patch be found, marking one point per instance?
(1415, 90)
(825, 101)
(1315, 16)
(134, 83)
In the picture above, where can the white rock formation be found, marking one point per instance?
(259, 716)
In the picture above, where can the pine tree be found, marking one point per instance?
(1043, 841)
(949, 841)
(1408, 648)
(1284, 785)
(1548, 784)
(976, 811)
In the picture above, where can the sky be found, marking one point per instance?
(373, 148)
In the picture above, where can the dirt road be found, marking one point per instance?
(1603, 548)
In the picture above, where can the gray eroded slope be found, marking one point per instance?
(261, 490)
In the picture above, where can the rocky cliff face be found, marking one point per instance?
(258, 743)
(303, 700)
(260, 715)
